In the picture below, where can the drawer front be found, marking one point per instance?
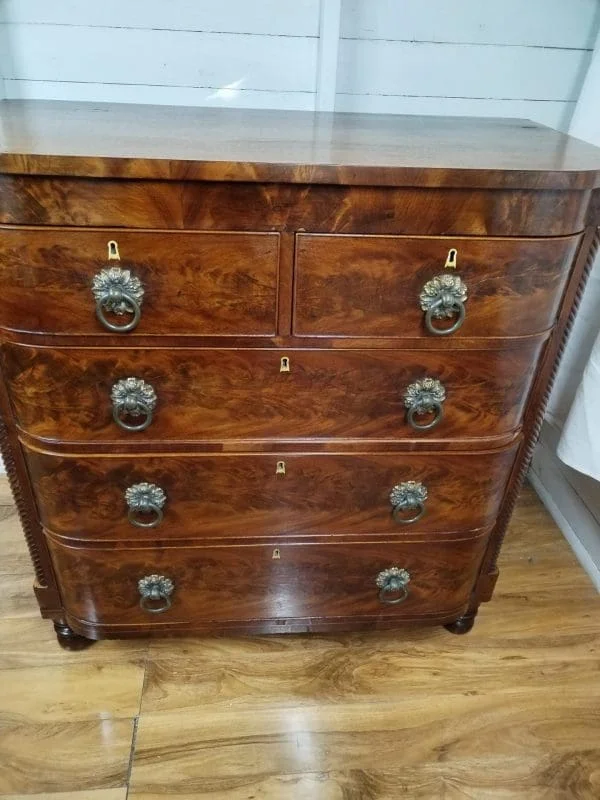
(205, 395)
(206, 205)
(104, 498)
(263, 582)
(371, 285)
(192, 283)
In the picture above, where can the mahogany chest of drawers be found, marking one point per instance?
(277, 372)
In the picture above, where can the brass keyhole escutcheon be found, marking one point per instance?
(280, 468)
(285, 364)
(451, 259)
(113, 251)
(276, 554)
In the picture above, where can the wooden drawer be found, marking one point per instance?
(370, 285)
(194, 283)
(251, 495)
(214, 205)
(211, 395)
(256, 582)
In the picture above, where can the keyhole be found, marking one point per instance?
(451, 259)
(285, 364)
(280, 468)
(276, 553)
(113, 251)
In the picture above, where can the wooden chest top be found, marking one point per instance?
(100, 140)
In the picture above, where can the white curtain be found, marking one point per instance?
(579, 445)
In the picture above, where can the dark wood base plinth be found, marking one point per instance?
(68, 639)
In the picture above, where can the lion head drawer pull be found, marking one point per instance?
(393, 585)
(145, 500)
(444, 297)
(118, 292)
(132, 398)
(155, 589)
(405, 497)
(423, 398)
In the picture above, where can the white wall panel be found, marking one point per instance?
(159, 95)
(454, 70)
(489, 58)
(297, 18)
(329, 41)
(545, 23)
(161, 58)
(514, 58)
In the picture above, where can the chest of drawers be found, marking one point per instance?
(277, 372)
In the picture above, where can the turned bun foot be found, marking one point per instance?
(462, 624)
(68, 639)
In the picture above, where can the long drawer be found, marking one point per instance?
(183, 283)
(245, 205)
(383, 285)
(211, 395)
(200, 584)
(246, 495)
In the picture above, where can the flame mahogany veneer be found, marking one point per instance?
(282, 256)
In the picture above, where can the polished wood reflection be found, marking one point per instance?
(194, 283)
(50, 137)
(511, 711)
(30, 200)
(242, 496)
(370, 285)
(210, 394)
(258, 586)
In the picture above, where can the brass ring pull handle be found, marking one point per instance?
(154, 589)
(397, 514)
(424, 397)
(132, 398)
(437, 410)
(118, 292)
(393, 581)
(444, 297)
(145, 499)
(406, 496)
(131, 306)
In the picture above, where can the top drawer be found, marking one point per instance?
(386, 285)
(219, 284)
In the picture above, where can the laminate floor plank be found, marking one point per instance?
(497, 741)
(17, 598)
(27, 642)
(233, 675)
(71, 692)
(38, 758)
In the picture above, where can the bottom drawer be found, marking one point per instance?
(100, 586)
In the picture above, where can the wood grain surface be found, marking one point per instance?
(111, 140)
(243, 584)
(268, 207)
(194, 283)
(370, 285)
(212, 394)
(242, 496)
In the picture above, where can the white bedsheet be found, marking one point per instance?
(579, 444)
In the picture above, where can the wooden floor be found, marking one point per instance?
(510, 711)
